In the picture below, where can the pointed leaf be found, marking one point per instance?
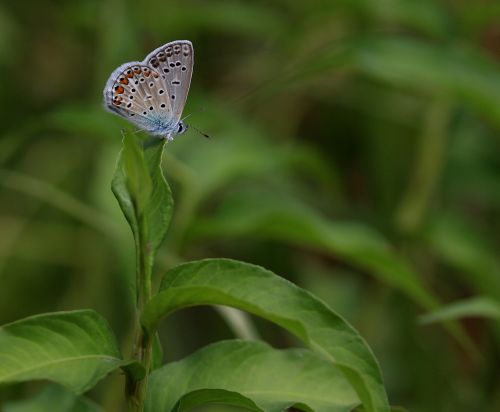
(475, 307)
(143, 193)
(214, 396)
(137, 179)
(273, 216)
(462, 246)
(220, 373)
(463, 72)
(261, 292)
(76, 349)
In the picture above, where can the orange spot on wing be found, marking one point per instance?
(119, 89)
(123, 80)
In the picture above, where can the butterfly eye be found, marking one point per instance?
(180, 128)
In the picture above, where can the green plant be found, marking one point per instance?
(76, 349)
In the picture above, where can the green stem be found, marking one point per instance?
(429, 162)
(142, 352)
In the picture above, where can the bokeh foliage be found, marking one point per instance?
(355, 149)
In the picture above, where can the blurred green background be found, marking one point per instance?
(355, 151)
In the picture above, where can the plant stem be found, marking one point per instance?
(142, 352)
(429, 163)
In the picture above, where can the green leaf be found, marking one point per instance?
(53, 398)
(75, 349)
(143, 193)
(462, 246)
(219, 374)
(268, 215)
(475, 307)
(214, 396)
(424, 15)
(464, 73)
(246, 19)
(158, 210)
(259, 291)
(137, 179)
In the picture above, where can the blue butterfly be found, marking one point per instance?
(151, 94)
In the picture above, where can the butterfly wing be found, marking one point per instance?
(138, 93)
(174, 60)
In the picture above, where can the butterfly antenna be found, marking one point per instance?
(200, 132)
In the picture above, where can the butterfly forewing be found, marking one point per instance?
(175, 61)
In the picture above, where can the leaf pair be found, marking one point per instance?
(77, 349)
(231, 283)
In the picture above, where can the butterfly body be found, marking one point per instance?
(151, 94)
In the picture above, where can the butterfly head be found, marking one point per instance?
(181, 127)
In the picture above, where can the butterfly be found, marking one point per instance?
(151, 94)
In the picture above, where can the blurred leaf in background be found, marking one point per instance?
(355, 148)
